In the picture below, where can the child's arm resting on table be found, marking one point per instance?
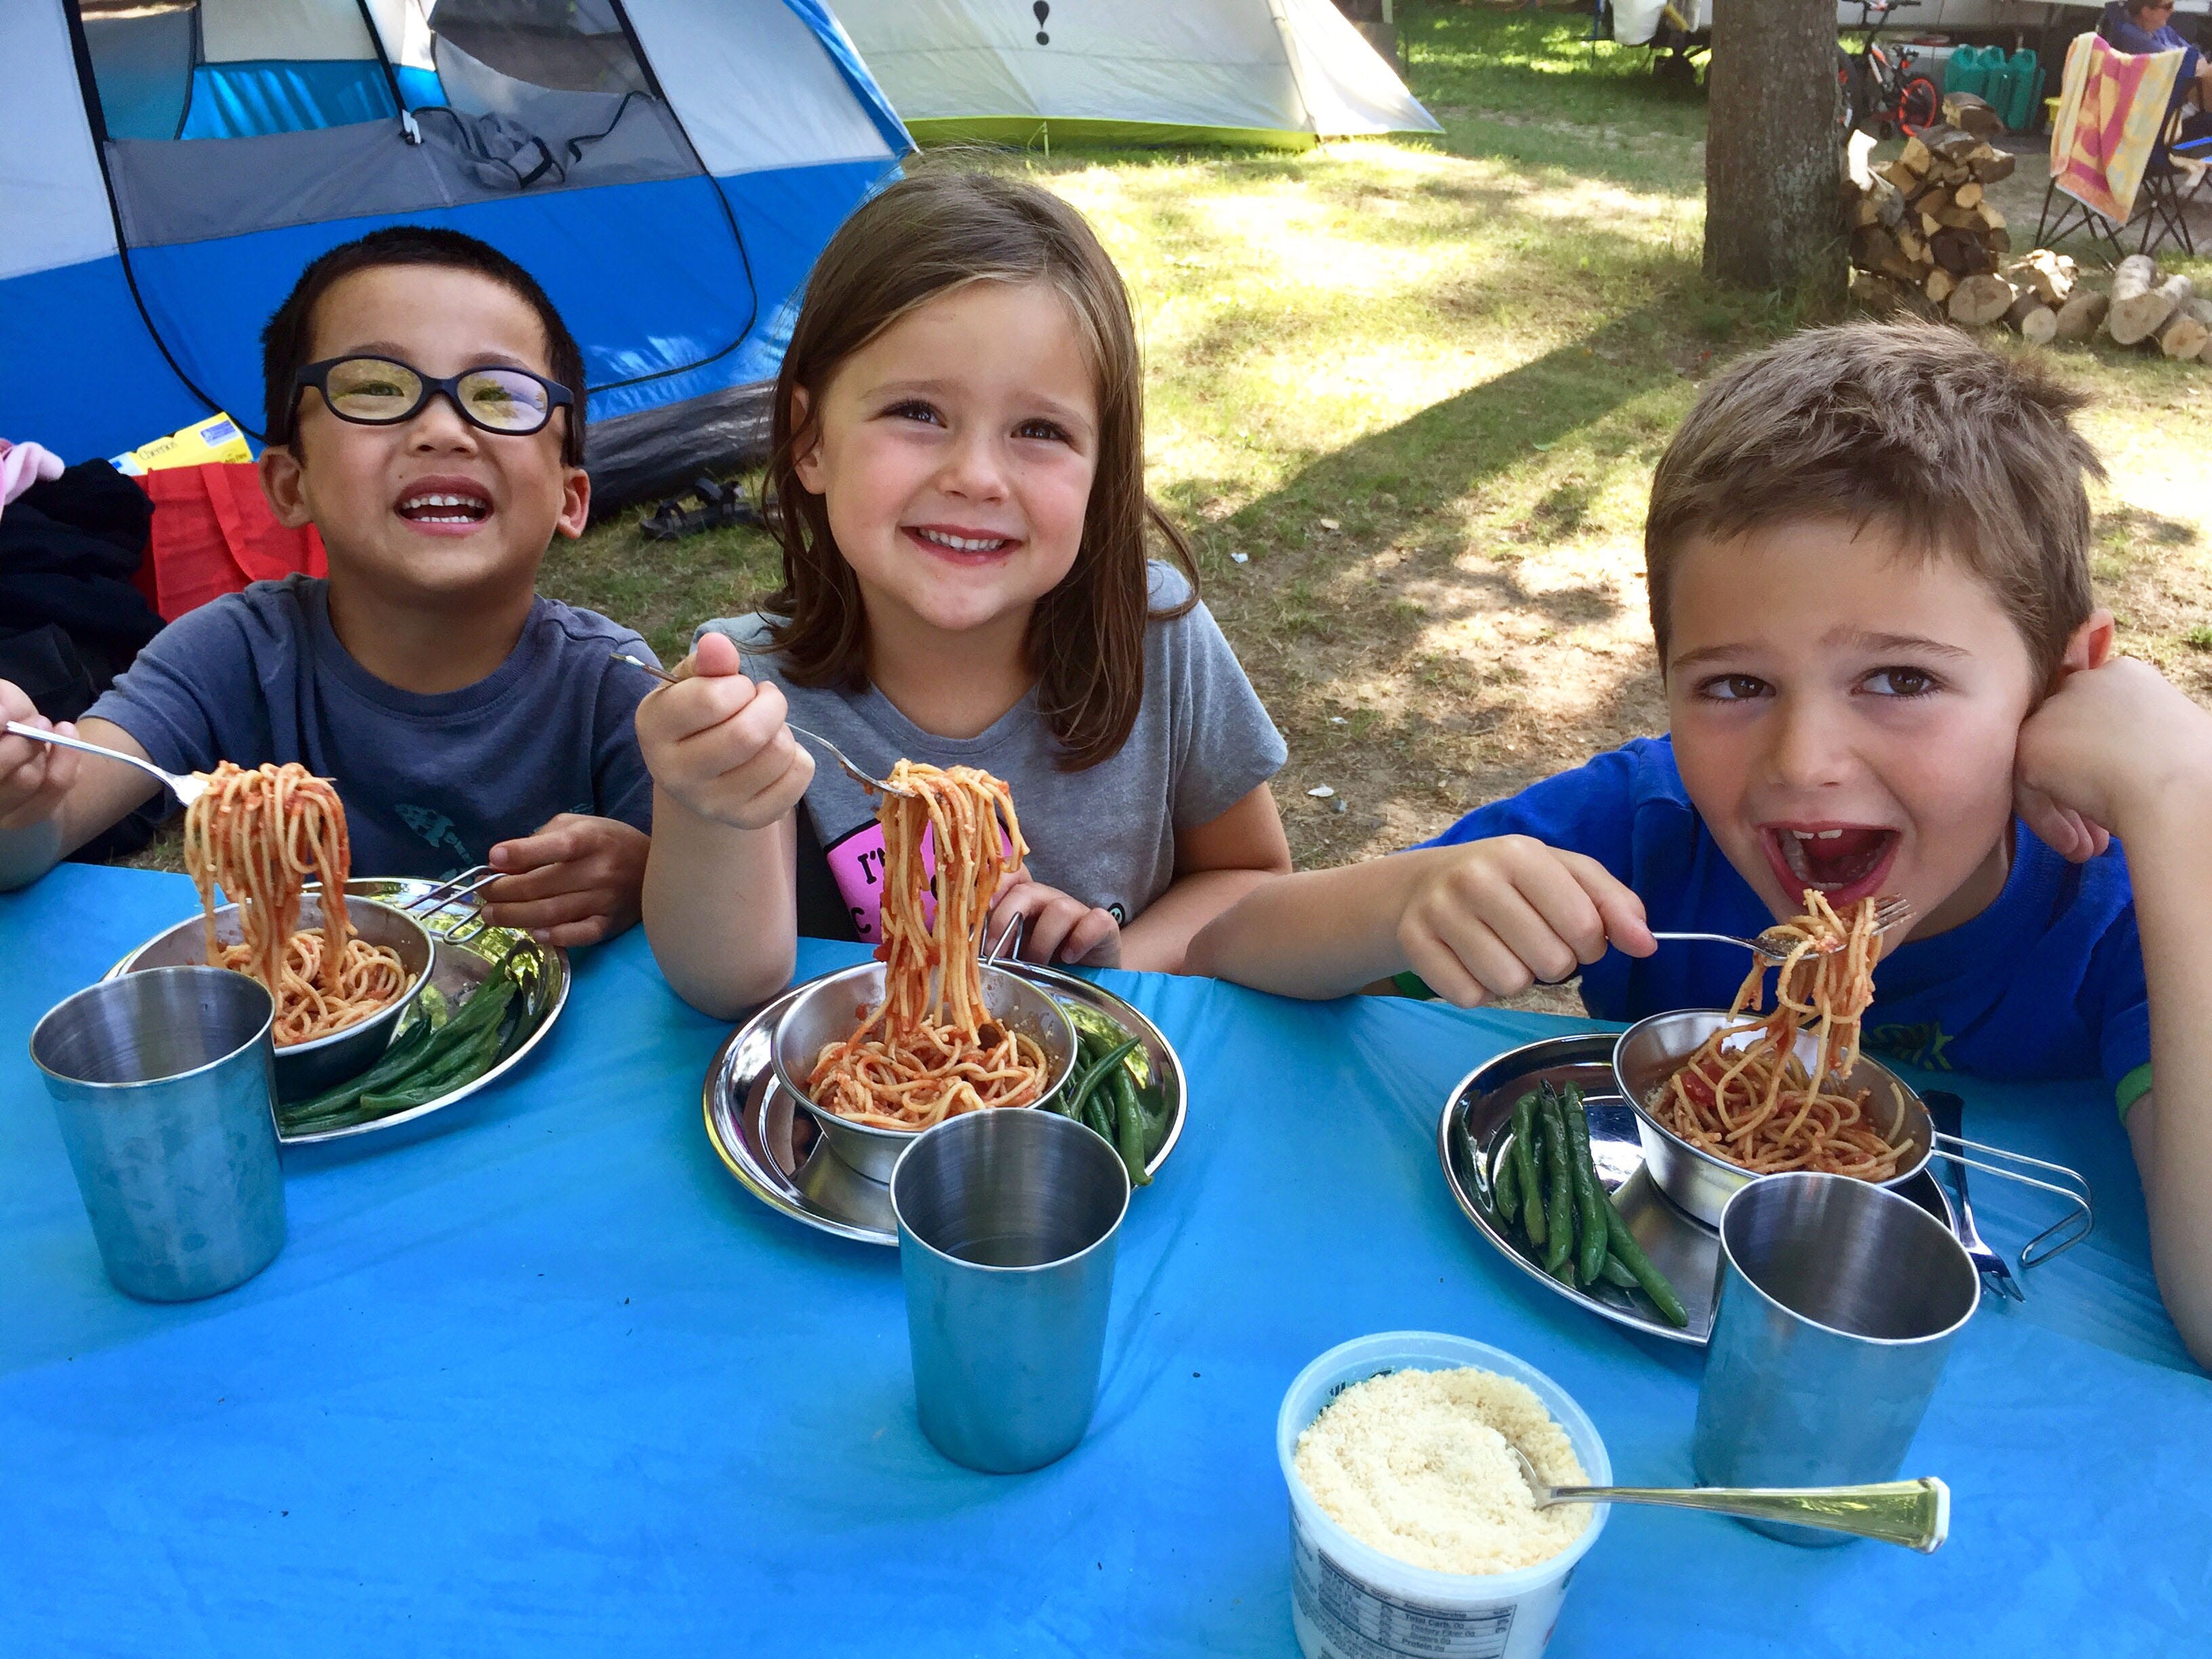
(1478, 921)
(54, 801)
(2117, 749)
(719, 896)
(576, 881)
(1216, 864)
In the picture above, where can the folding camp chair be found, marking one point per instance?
(2173, 177)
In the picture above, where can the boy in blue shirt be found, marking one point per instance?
(425, 409)
(1886, 674)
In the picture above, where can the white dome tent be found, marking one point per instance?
(1284, 73)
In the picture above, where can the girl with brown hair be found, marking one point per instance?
(958, 469)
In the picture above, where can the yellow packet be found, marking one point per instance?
(217, 439)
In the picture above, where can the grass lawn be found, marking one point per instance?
(1419, 386)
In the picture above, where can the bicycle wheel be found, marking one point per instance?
(1919, 105)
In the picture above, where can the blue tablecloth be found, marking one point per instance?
(549, 1381)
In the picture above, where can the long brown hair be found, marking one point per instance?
(922, 238)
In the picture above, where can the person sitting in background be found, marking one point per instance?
(425, 409)
(2143, 27)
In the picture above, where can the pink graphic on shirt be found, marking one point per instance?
(857, 863)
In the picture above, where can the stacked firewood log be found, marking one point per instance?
(1926, 241)
(1922, 232)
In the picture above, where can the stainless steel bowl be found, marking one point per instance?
(306, 1069)
(1652, 1050)
(830, 1010)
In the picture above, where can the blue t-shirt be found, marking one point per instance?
(2047, 982)
(429, 783)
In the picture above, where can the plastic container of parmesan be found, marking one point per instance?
(1349, 1600)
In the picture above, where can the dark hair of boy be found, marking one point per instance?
(921, 238)
(289, 337)
(1913, 428)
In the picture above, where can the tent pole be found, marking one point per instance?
(1290, 57)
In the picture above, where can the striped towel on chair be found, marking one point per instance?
(2112, 108)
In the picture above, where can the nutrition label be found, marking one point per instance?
(1358, 1624)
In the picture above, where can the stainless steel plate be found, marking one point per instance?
(464, 963)
(1477, 1123)
(776, 1154)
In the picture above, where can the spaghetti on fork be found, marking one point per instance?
(1759, 1106)
(930, 1050)
(258, 835)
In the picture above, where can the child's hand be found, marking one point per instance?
(1490, 919)
(1055, 927)
(2108, 743)
(34, 776)
(574, 882)
(718, 744)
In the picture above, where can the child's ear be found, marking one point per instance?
(576, 502)
(806, 460)
(2090, 646)
(283, 484)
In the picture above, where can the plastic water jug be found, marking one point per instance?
(2019, 111)
(1967, 72)
(2002, 82)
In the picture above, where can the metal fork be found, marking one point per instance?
(882, 786)
(1948, 1112)
(186, 786)
(1775, 945)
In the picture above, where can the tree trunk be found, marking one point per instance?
(1774, 149)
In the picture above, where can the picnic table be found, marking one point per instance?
(544, 1379)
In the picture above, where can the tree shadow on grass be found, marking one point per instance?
(1435, 459)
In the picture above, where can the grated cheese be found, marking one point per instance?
(1414, 1464)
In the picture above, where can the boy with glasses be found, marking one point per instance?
(425, 412)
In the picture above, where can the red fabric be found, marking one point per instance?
(213, 533)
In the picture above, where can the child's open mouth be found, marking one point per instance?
(1846, 861)
(444, 509)
(961, 546)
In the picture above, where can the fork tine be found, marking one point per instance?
(1890, 913)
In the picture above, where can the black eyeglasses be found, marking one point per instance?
(384, 391)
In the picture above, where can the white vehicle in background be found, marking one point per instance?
(1678, 31)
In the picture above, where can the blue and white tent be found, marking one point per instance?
(668, 169)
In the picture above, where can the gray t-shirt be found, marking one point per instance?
(429, 783)
(1202, 742)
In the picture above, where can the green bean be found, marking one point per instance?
(1614, 1271)
(1553, 1107)
(1525, 1154)
(1590, 1190)
(1649, 1279)
(1066, 1100)
(474, 1059)
(1129, 1125)
(398, 1060)
(1559, 1198)
(1095, 1075)
(1504, 1189)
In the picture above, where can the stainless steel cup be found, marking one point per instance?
(162, 1083)
(1006, 1225)
(1838, 1303)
